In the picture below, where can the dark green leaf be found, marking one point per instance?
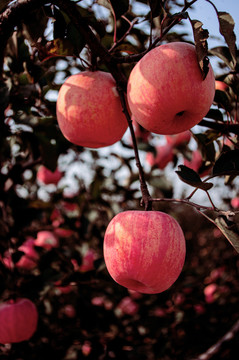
(190, 177)
(35, 25)
(59, 25)
(224, 54)
(226, 26)
(75, 37)
(48, 152)
(156, 7)
(206, 146)
(118, 7)
(229, 230)
(223, 100)
(227, 163)
(214, 114)
(200, 37)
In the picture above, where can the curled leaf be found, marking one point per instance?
(190, 177)
(118, 7)
(229, 229)
(226, 27)
(227, 163)
(200, 37)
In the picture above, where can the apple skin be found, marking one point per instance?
(144, 250)
(46, 176)
(182, 138)
(18, 319)
(164, 155)
(47, 240)
(89, 110)
(166, 92)
(220, 85)
(29, 260)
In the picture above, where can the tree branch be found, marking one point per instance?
(214, 349)
(224, 128)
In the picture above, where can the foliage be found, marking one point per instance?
(42, 43)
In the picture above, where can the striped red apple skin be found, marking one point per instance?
(144, 250)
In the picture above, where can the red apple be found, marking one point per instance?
(30, 258)
(182, 138)
(89, 110)
(69, 311)
(220, 85)
(166, 92)
(235, 203)
(87, 261)
(127, 306)
(18, 320)
(144, 250)
(47, 240)
(164, 155)
(46, 176)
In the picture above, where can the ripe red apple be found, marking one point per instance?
(30, 258)
(182, 138)
(166, 92)
(127, 306)
(18, 320)
(235, 203)
(220, 85)
(144, 250)
(47, 240)
(164, 155)
(87, 261)
(46, 176)
(89, 110)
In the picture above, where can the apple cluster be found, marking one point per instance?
(166, 94)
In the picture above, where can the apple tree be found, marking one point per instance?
(76, 154)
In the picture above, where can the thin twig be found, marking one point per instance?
(187, 202)
(214, 349)
(132, 23)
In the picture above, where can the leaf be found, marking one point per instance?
(214, 114)
(75, 37)
(229, 229)
(200, 37)
(35, 25)
(226, 27)
(118, 7)
(227, 163)
(156, 6)
(206, 146)
(4, 3)
(190, 177)
(48, 152)
(56, 47)
(223, 100)
(224, 54)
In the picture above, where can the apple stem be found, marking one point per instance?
(146, 198)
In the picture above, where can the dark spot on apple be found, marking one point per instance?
(180, 113)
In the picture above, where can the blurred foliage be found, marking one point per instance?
(44, 49)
